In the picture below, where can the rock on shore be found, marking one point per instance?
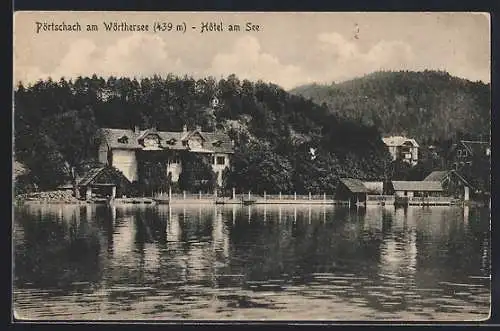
(64, 196)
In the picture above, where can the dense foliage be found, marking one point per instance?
(430, 106)
(197, 174)
(283, 142)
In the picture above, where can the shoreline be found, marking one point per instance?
(212, 202)
(66, 197)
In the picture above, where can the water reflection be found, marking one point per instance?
(272, 261)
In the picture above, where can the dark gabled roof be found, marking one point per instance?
(475, 147)
(90, 175)
(419, 186)
(111, 137)
(436, 176)
(354, 185)
(442, 175)
(189, 134)
(146, 133)
(374, 187)
(225, 146)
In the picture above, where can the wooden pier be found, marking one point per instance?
(425, 201)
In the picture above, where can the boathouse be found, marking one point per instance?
(103, 182)
(466, 152)
(415, 188)
(352, 190)
(452, 182)
(374, 188)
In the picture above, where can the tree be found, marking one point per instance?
(75, 136)
(272, 130)
(197, 174)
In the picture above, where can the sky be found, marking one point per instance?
(289, 49)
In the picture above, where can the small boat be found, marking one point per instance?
(162, 201)
(247, 202)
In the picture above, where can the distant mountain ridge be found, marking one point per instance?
(428, 105)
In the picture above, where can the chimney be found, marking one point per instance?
(198, 127)
(136, 129)
(184, 128)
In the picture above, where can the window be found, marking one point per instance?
(221, 160)
(212, 160)
(123, 140)
(174, 160)
(151, 141)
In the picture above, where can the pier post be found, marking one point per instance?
(324, 197)
(215, 193)
(199, 195)
(309, 195)
(248, 195)
(294, 195)
(264, 195)
(234, 193)
(88, 196)
(184, 195)
(280, 195)
(169, 193)
(113, 192)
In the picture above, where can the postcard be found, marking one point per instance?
(251, 166)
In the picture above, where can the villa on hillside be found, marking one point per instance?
(128, 150)
(465, 152)
(402, 148)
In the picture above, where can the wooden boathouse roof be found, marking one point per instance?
(441, 176)
(436, 176)
(354, 185)
(90, 176)
(419, 186)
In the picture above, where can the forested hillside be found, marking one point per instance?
(56, 126)
(430, 106)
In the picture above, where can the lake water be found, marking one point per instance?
(251, 263)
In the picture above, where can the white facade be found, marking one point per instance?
(174, 167)
(405, 149)
(401, 194)
(125, 161)
(121, 147)
(219, 163)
